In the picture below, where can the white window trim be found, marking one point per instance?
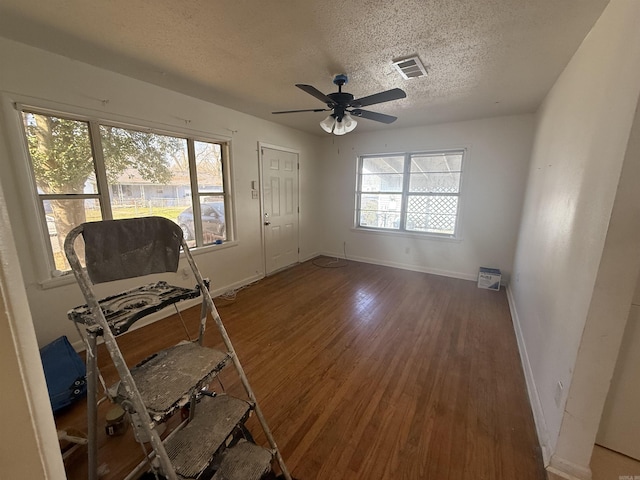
(14, 104)
(456, 237)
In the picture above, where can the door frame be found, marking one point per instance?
(261, 146)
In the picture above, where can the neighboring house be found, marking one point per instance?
(132, 188)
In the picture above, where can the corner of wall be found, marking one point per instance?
(561, 468)
(33, 451)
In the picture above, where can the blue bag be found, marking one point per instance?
(65, 373)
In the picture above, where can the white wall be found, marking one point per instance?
(493, 181)
(581, 138)
(29, 448)
(44, 79)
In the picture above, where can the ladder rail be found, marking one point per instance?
(105, 267)
(234, 357)
(133, 395)
(92, 406)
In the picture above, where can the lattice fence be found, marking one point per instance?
(432, 214)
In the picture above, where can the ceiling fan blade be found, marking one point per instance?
(387, 96)
(378, 117)
(308, 110)
(315, 92)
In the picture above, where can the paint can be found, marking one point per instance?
(116, 421)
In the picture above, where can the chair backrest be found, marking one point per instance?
(133, 247)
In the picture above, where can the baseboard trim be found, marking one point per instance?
(405, 266)
(79, 345)
(564, 469)
(310, 256)
(532, 390)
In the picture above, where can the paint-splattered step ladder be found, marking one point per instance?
(212, 442)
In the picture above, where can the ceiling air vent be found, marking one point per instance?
(410, 67)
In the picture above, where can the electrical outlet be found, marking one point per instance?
(407, 250)
(558, 395)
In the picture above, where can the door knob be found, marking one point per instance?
(267, 223)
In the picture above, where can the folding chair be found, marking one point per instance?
(207, 444)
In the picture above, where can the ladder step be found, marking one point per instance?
(191, 449)
(122, 310)
(167, 379)
(244, 461)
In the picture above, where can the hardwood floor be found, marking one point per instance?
(366, 372)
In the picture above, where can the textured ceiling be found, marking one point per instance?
(484, 57)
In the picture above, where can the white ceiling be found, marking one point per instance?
(484, 57)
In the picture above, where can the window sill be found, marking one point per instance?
(67, 278)
(64, 278)
(211, 248)
(419, 236)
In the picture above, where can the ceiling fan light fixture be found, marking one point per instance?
(328, 123)
(344, 106)
(339, 129)
(350, 123)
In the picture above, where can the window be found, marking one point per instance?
(85, 170)
(411, 192)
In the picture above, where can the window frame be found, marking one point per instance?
(405, 194)
(104, 188)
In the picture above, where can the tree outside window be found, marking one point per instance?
(144, 173)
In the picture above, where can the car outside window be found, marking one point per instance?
(214, 228)
(87, 170)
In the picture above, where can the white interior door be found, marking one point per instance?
(279, 207)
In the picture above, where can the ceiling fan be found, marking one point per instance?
(345, 107)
